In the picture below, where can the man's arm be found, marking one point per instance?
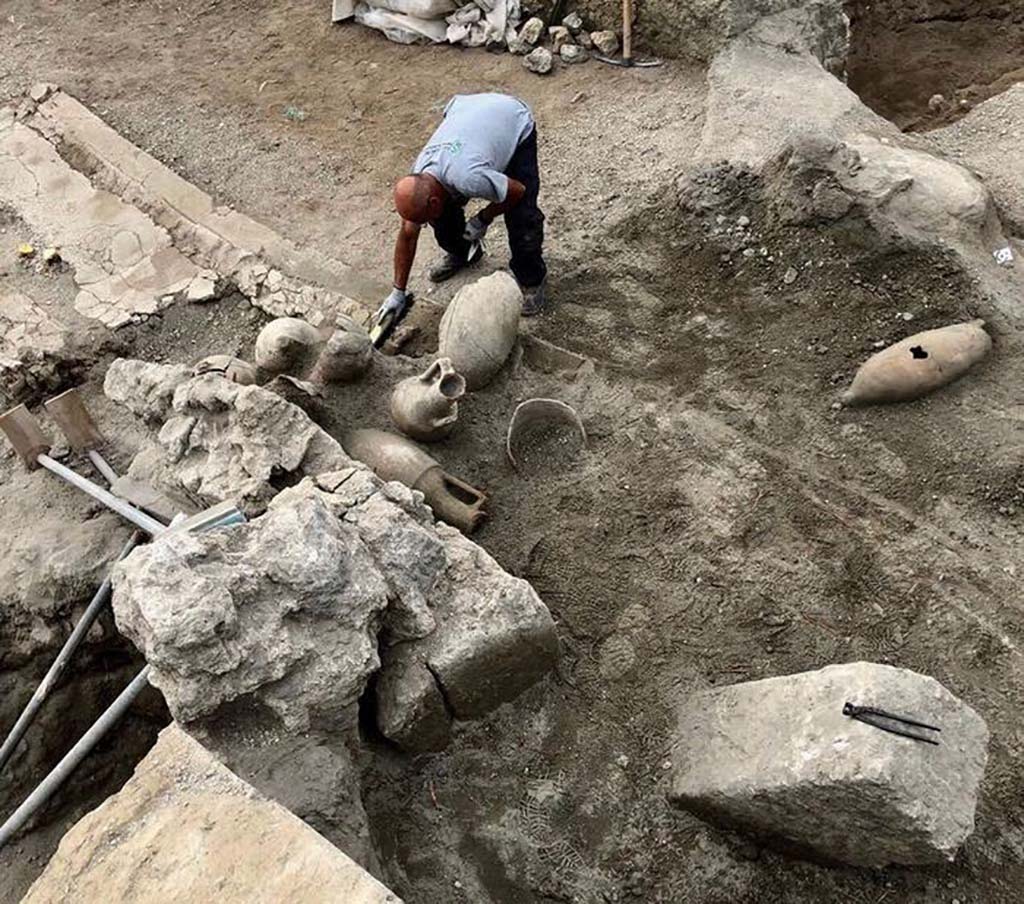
(513, 196)
(405, 252)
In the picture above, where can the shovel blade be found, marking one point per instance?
(23, 432)
(70, 414)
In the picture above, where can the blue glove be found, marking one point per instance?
(393, 304)
(476, 229)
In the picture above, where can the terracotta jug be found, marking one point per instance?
(426, 407)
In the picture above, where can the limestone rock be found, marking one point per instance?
(145, 389)
(494, 639)
(573, 53)
(777, 757)
(284, 609)
(574, 22)
(531, 31)
(605, 42)
(560, 36)
(539, 61)
(312, 776)
(221, 440)
(185, 829)
(410, 706)
(287, 613)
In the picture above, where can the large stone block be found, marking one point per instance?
(187, 829)
(779, 758)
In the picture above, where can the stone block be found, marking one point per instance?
(778, 758)
(184, 829)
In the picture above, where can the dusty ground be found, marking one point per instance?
(725, 524)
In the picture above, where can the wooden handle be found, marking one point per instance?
(627, 29)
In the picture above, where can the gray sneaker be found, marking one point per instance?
(451, 264)
(534, 300)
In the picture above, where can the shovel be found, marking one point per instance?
(627, 44)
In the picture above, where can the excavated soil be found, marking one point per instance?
(725, 522)
(903, 54)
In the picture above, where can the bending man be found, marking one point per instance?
(486, 147)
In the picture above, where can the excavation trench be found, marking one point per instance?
(925, 63)
(103, 667)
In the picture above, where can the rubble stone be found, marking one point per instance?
(411, 709)
(539, 60)
(37, 352)
(605, 42)
(531, 31)
(145, 389)
(285, 608)
(560, 36)
(574, 22)
(573, 53)
(777, 757)
(494, 639)
(290, 609)
(221, 440)
(184, 829)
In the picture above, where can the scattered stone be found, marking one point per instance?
(936, 102)
(605, 42)
(539, 60)
(577, 97)
(790, 276)
(585, 41)
(573, 53)
(622, 761)
(25, 250)
(518, 46)
(559, 36)
(574, 22)
(743, 222)
(531, 31)
(40, 91)
(778, 758)
(51, 256)
(183, 825)
(203, 288)
(906, 316)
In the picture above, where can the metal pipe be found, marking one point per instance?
(35, 703)
(100, 464)
(124, 509)
(73, 757)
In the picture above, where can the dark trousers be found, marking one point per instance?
(524, 222)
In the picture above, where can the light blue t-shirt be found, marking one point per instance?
(474, 144)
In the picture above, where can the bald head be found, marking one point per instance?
(419, 199)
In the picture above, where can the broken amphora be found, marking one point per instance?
(919, 364)
(393, 457)
(231, 368)
(426, 407)
(346, 355)
(480, 326)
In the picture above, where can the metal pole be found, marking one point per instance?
(73, 757)
(124, 509)
(35, 703)
(100, 464)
